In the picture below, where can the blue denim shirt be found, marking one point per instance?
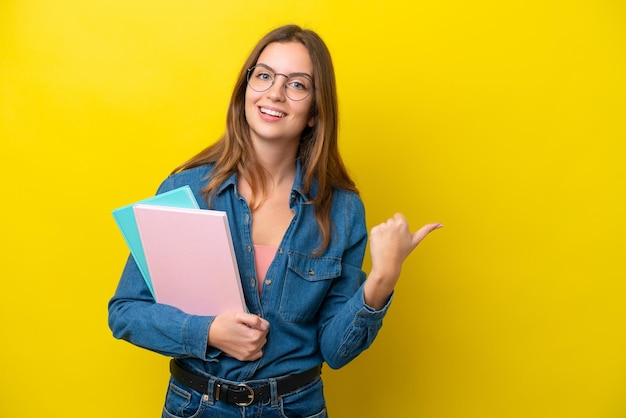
(314, 303)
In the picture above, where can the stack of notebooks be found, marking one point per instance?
(184, 253)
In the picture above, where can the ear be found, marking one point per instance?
(311, 122)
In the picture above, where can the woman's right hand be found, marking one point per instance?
(240, 335)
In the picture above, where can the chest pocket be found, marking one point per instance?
(306, 285)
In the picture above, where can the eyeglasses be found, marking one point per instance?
(298, 86)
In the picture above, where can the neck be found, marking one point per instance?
(278, 160)
(279, 165)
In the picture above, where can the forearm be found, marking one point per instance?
(378, 289)
(135, 317)
(143, 325)
(350, 331)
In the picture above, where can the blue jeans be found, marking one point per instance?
(306, 402)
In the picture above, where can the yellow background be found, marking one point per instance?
(503, 120)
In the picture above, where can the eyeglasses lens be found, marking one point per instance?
(297, 86)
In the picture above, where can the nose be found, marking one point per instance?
(277, 90)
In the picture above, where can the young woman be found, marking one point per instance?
(299, 234)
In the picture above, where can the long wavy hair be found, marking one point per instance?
(318, 152)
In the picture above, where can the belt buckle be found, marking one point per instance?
(250, 396)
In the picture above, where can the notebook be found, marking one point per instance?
(191, 259)
(125, 219)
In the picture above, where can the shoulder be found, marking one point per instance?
(348, 206)
(196, 178)
(348, 199)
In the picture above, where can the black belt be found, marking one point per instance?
(242, 394)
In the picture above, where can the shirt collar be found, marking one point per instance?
(298, 184)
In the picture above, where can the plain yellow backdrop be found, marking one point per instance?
(503, 120)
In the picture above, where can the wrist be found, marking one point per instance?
(377, 290)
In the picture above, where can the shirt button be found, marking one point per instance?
(311, 272)
(249, 248)
(268, 282)
(247, 218)
(280, 251)
(251, 282)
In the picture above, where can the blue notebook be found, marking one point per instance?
(125, 217)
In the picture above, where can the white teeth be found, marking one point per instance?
(272, 112)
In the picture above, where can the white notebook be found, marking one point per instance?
(191, 259)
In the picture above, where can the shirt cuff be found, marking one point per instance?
(368, 311)
(196, 337)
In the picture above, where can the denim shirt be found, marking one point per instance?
(313, 303)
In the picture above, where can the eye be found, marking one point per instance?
(297, 85)
(263, 76)
(300, 83)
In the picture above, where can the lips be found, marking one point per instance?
(271, 112)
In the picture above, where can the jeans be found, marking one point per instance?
(306, 402)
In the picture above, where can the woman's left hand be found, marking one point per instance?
(390, 244)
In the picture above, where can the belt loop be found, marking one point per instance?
(273, 392)
(210, 390)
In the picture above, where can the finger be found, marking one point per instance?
(256, 322)
(398, 216)
(420, 234)
(400, 219)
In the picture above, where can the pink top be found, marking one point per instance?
(263, 257)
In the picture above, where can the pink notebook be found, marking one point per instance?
(191, 259)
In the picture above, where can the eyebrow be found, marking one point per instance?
(288, 75)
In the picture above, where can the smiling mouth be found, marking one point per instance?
(270, 112)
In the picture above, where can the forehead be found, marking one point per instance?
(287, 58)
